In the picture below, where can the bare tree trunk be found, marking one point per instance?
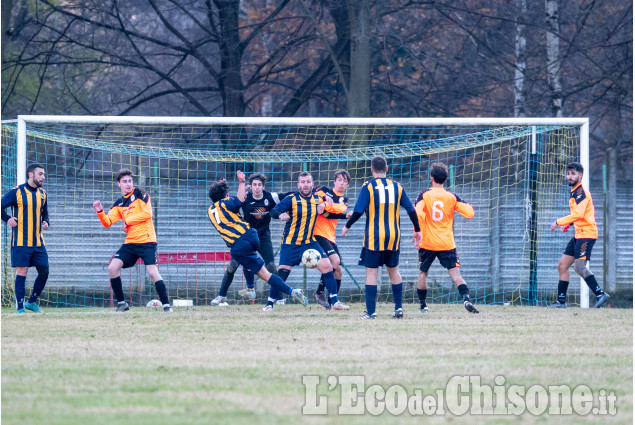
(554, 71)
(520, 91)
(7, 8)
(231, 59)
(359, 93)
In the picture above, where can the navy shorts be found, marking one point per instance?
(245, 251)
(129, 253)
(580, 249)
(329, 247)
(291, 255)
(376, 259)
(448, 259)
(29, 256)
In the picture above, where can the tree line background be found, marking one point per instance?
(322, 58)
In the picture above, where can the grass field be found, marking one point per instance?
(237, 365)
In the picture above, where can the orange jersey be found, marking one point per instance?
(325, 226)
(582, 214)
(136, 211)
(435, 208)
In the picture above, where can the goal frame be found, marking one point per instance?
(22, 121)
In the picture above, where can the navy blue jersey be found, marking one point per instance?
(303, 213)
(226, 219)
(256, 211)
(28, 204)
(381, 200)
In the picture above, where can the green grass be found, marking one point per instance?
(237, 365)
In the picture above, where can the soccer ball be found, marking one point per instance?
(154, 303)
(311, 258)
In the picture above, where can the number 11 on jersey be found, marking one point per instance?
(381, 189)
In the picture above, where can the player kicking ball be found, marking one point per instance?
(135, 209)
(242, 240)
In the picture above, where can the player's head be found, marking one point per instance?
(257, 182)
(218, 190)
(35, 174)
(124, 180)
(378, 165)
(439, 172)
(575, 170)
(341, 180)
(305, 183)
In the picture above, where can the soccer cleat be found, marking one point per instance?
(340, 306)
(248, 293)
(281, 301)
(398, 314)
(298, 294)
(33, 307)
(21, 311)
(424, 310)
(557, 304)
(268, 308)
(167, 308)
(321, 299)
(601, 299)
(219, 302)
(367, 316)
(123, 306)
(470, 307)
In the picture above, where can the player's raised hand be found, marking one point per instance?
(344, 231)
(565, 228)
(97, 206)
(328, 200)
(416, 238)
(241, 176)
(45, 225)
(13, 222)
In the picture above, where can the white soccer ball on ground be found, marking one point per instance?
(154, 303)
(311, 258)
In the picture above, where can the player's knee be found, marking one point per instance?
(113, 269)
(232, 267)
(580, 267)
(271, 267)
(42, 272)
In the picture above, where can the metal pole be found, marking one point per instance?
(584, 160)
(533, 222)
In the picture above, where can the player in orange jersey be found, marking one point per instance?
(435, 209)
(135, 210)
(325, 225)
(578, 250)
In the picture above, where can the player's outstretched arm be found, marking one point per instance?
(280, 210)
(109, 219)
(241, 194)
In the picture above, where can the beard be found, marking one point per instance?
(38, 183)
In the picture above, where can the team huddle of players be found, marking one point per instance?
(310, 215)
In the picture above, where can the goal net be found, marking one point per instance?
(511, 172)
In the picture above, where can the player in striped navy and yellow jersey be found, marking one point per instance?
(29, 217)
(135, 209)
(381, 200)
(578, 250)
(300, 211)
(242, 240)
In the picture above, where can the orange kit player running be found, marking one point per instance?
(435, 209)
(325, 225)
(578, 251)
(141, 240)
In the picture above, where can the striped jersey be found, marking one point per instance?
(303, 213)
(135, 209)
(29, 205)
(582, 214)
(226, 218)
(381, 200)
(435, 209)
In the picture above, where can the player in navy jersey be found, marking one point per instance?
(240, 237)
(381, 199)
(255, 211)
(29, 217)
(300, 211)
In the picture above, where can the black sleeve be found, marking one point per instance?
(275, 213)
(5, 216)
(353, 219)
(334, 216)
(415, 220)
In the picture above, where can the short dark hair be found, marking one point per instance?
(575, 166)
(123, 173)
(343, 173)
(439, 172)
(304, 174)
(379, 164)
(31, 168)
(218, 190)
(258, 176)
